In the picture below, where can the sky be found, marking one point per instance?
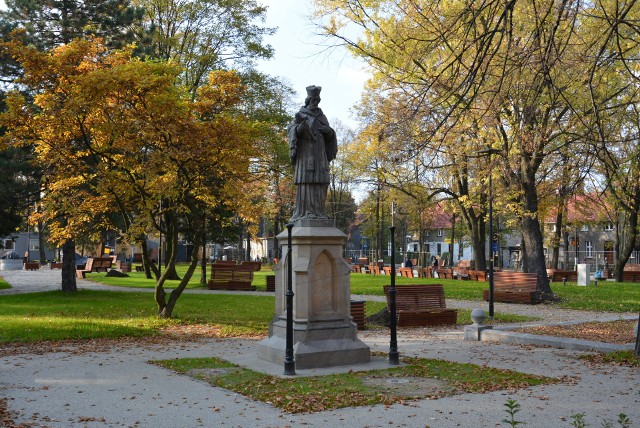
(299, 60)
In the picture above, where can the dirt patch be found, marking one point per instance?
(410, 386)
(616, 332)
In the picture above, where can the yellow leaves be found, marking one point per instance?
(117, 133)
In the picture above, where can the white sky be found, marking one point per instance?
(300, 61)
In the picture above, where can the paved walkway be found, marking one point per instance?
(114, 386)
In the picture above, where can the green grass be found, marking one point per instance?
(138, 279)
(618, 358)
(4, 284)
(92, 314)
(607, 296)
(320, 393)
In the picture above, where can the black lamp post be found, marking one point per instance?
(394, 357)
(289, 359)
(488, 152)
(424, 250)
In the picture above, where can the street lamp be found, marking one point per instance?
(488, 152)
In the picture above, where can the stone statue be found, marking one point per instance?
(312, 145)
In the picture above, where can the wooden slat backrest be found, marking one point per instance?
(477, 275)
(225, 275)
(89, 265)
(224, 263)
(522, 280)
(464, 264)
(412, 297)
(406, 272)
(253, 266)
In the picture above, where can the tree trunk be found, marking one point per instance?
(557, 237)
(203, 260)
(533, 240)
(478, 242)
(165, 309)
(69, 266)
(150, 270)
(41, 256)
(628, 245)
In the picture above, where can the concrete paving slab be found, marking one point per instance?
(118, 387)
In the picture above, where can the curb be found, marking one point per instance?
(510, 337)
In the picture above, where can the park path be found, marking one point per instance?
(113, 384)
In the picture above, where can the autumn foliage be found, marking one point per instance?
(119, 138)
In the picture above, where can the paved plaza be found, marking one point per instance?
(115, 386)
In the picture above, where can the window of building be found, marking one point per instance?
(585, 228)
(440, 232)
(608, 227)
(34, 245)
(8, 244)
(439, 249)
(589, 248)
(415, 248)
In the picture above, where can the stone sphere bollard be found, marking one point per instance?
(478, 316)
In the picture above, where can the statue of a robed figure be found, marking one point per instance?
(323, 332)
(312, 146)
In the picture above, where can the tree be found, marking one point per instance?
(516, 69)
(57, 22)
(52, 23)
(204, 35)
(117, 135)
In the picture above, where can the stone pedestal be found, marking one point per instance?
(324, 334)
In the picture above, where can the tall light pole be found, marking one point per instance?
(488, 152)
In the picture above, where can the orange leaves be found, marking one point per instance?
(116, 134)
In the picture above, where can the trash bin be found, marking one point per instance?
(358, 313)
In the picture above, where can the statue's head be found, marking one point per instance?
(313, 97)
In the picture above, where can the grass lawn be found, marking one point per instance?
(92, 314)
(423, 378)
(608, 296)
(4, 284)
(89, 314)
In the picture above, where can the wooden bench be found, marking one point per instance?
(406, 272)
(445, 273)
(81, 273)
(95, 264)
(31, 265)
(477, 275)
(421, 305)
(514, 287)
(374, 269)
(630, 276)
(356, 269)
(252, 266)
(386, 270)
(231, 278)
(101, 264)
(55, 265)
(224, 263)
(557, 275)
